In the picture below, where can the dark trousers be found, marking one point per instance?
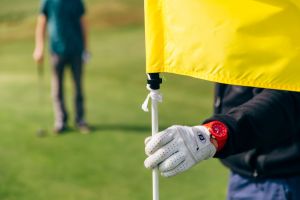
(59, 64)
(243, 188)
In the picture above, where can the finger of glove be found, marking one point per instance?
(179, 169)
(147, 140)
(161, 155)
(158, 140)
(172, 162)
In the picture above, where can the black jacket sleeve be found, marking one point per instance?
(266, 120)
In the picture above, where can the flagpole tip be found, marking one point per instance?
(154, 81)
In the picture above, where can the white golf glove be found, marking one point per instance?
(86, 56)
(178, 148)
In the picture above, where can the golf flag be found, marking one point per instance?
(245, 42)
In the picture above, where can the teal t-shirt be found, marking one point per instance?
(64, 27)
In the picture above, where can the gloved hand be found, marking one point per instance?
(178, 148)
(86, 56)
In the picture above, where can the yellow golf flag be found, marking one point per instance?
(240, 42)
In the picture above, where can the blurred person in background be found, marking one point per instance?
(256, 134)
(67, 32)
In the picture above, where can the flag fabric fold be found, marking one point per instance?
(247, 42)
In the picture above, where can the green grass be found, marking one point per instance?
(108, 164)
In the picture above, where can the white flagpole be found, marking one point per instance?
(155, 174)
(153, 86)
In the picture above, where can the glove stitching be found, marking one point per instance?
(186, 145)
